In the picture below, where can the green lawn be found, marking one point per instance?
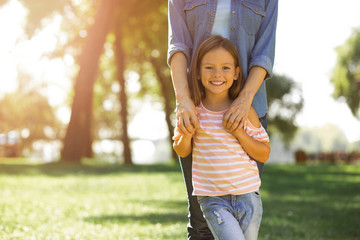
(58, 201)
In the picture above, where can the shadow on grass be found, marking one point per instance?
(61, 169)
(150, 218)
(168, 205)
(169, 213)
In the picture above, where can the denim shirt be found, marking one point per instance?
(252, 30)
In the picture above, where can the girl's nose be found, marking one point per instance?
(217, 72)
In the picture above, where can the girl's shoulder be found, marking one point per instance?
(253, 118)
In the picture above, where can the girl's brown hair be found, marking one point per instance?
(197, 90)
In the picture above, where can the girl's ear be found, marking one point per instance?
(237, 72)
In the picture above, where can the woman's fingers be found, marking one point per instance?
(188, 122)
(187, 118)
(188, 125)
(194, 120)
(237, 122)
(233, 119)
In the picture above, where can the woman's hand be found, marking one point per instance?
(236, 116)
(186, 116)
(239, 110)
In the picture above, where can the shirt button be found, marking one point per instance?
(256, 10)
(232, 29)
(213, 12)
(233, 12)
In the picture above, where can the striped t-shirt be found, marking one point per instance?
(220, 164)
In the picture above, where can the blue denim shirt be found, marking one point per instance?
(252, 30)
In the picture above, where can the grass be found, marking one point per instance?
(311, 202)
(65, 201)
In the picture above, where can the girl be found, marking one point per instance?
(225, 179)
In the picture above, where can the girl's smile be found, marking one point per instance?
(217, 82)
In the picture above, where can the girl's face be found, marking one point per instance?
(218, 71)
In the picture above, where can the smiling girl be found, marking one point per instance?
(225, 179)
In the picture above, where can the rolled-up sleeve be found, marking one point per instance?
(263, 53)
(179, 39)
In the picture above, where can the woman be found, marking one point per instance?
(251, 27)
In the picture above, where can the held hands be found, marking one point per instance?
(234, 119)
(238, 132)
(187, 119)
(187, 122)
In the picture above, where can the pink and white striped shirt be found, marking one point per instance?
(220, 164)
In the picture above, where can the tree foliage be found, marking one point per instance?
(28, 111)
(285, 102)
(346, 74)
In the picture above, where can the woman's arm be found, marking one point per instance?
(256, 149)
(239, 110)
(179, 38)
(260, 67)
(185, 108)
(179, 51)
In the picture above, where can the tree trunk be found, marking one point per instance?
(78, 134)
(120, 63)
(166, 91)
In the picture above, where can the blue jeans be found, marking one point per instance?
(197, 226)
(233, 217)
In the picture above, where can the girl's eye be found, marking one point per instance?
(208, 67)
(226, 68)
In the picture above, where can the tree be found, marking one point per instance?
(124, 12)
(120, 62)
(285, 102)
(78, 135)
(28, 112)
(78, 139)
(346, 74)
(149, 51)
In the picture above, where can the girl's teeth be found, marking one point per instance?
(217, 83)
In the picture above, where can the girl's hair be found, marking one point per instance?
(197, 90)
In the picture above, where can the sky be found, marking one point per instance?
(307, 34)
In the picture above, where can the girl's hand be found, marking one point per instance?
(187, 119)
(238, 132)
(236, 116)
(185, 134)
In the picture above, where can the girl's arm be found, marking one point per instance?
(256, 149)
(182, 141)
(183, 145)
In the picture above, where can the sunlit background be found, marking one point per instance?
(307, 36)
